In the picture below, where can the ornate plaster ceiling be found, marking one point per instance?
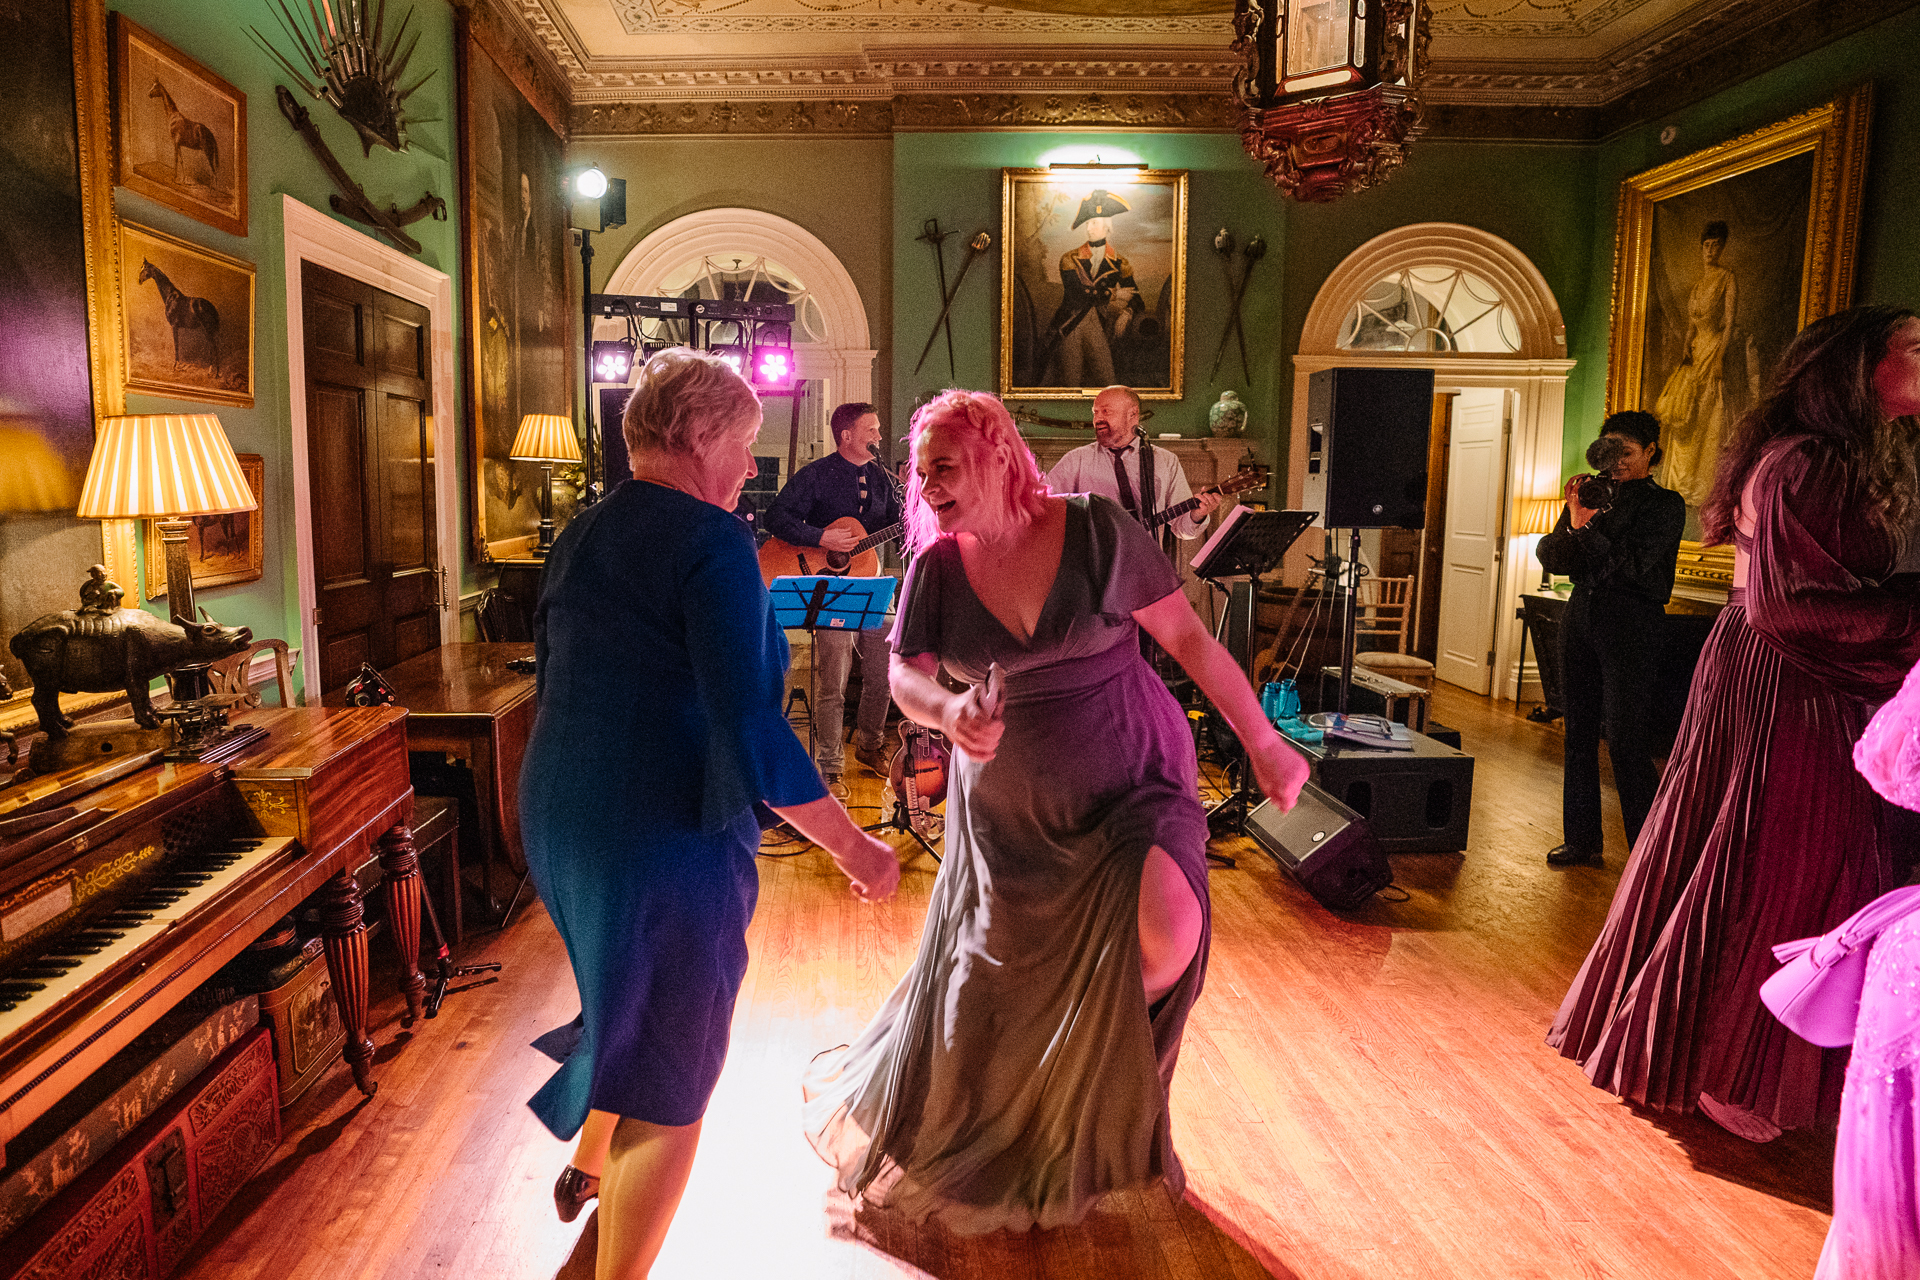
(1579, 54)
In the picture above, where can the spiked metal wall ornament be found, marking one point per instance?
(343, 52)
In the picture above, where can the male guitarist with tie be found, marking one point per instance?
(847, 482)
(1121, 465)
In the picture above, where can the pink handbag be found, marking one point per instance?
(1816, 993)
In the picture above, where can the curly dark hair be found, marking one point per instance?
(1823, 387)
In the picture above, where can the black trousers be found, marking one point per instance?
(1609, 645)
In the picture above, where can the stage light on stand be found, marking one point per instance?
(736, 356)
(613, 360)
(590, 183)
(773, 367)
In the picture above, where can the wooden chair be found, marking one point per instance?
(1384, 608)
(234, 674)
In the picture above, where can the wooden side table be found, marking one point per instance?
(463, 701)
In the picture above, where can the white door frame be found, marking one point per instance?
(1537, 375)
(312, 236)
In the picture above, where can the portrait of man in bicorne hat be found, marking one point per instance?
(1092, 282)
(1101, 300)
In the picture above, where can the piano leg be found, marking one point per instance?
(344, 921)
(402, 888)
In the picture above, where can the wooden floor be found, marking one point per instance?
(1360, 1096)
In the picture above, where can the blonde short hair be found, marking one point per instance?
(985, 430)
(685, 402)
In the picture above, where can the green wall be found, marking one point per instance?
(1888, 264)
(840, 189)
(868, 198)
(956, 178)
(214, 33)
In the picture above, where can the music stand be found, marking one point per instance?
(813, 604)
(1248, 544)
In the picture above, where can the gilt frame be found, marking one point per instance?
(1037, 209)
(224, 567)
(1707, 184)
(142, 130)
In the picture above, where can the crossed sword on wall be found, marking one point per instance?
(931, 233)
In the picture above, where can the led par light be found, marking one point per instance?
(613, 360)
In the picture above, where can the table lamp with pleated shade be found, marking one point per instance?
(1538, 516)
(545, 438)
(166, 467)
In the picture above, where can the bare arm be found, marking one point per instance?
(1280, 770)
(957, 715)
(871, 864)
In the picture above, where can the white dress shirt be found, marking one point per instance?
(1089, 469)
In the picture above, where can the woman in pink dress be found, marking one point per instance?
(1876, 1159)
(1762, 832)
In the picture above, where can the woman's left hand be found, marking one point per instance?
(1280, 770)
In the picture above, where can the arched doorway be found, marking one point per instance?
(1472, 308)
(832, 346)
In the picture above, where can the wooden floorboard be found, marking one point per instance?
(1362, 1096)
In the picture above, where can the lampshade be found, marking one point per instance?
(32, 476)
(545, 437)
(1538, 515)
(163, 464)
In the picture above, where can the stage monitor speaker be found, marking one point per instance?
(1324, 845)
(1370, 428)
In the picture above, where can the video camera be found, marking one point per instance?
(1597, 491)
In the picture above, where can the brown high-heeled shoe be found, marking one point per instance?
(572, 1191)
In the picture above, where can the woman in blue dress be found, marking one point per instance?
(660, 728)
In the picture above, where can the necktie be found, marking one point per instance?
(1125, 485)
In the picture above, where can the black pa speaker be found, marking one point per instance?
(1370, 428)
(1324, 845)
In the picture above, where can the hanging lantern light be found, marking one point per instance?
(1331, 90)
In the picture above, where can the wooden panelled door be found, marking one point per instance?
(1470, 565)
(370, 472)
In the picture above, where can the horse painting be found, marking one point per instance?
(186, 313)
(188, 135)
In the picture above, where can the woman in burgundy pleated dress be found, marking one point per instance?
(1762, 832)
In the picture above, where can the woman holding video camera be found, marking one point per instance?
(1616, 540)
(1762, 832)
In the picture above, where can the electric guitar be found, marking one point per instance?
(1239, 482)
(919, 773)
(784, 560)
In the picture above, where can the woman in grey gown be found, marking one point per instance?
(1020, 1070)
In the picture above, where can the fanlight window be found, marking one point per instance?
(749, 278)
(1428, 309)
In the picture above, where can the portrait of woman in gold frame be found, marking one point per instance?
(1093, 282)
(1720, 257)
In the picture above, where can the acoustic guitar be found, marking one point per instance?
(1239, 482)
(784, 560)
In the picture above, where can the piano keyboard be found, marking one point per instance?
(74, 958)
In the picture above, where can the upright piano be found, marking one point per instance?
(161, 873)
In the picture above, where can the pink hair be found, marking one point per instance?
(986, 432)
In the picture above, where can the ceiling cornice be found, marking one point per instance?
(1702, 48)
